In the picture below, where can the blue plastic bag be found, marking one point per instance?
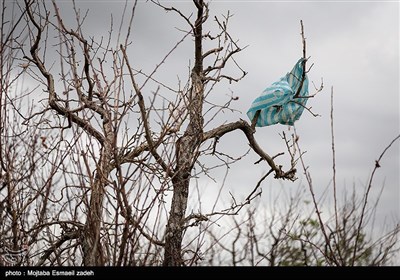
(277, 103)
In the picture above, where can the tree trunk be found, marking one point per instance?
(186, 155)
(92, 249)
(186, 152)
(93, 254)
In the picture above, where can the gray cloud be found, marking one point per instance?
(355, 48)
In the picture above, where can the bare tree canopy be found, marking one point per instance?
(101, 161)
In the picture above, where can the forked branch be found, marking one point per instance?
(249, 133)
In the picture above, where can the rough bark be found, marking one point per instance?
(90, 236)
(186, 152)
(93, 254)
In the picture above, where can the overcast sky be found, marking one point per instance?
(355, 49)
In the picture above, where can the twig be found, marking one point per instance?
(308, 109)
(65, 237)
(317, 90)
(168, 9)
(334, 163)
(254, 120)
(83, 124)
(331, 256)
(366, 196)
(258, 184)
(303, 76)
(143, 112)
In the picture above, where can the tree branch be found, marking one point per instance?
(168, 9)
(85, 125)
(143, 112)
(249, 133)
(366, 196)
(65, 237)
(303, 76)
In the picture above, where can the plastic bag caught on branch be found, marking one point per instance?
(277, 103)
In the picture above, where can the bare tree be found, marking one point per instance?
(88, 165)
(95, 106)
(284, 236)
(298, 235)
